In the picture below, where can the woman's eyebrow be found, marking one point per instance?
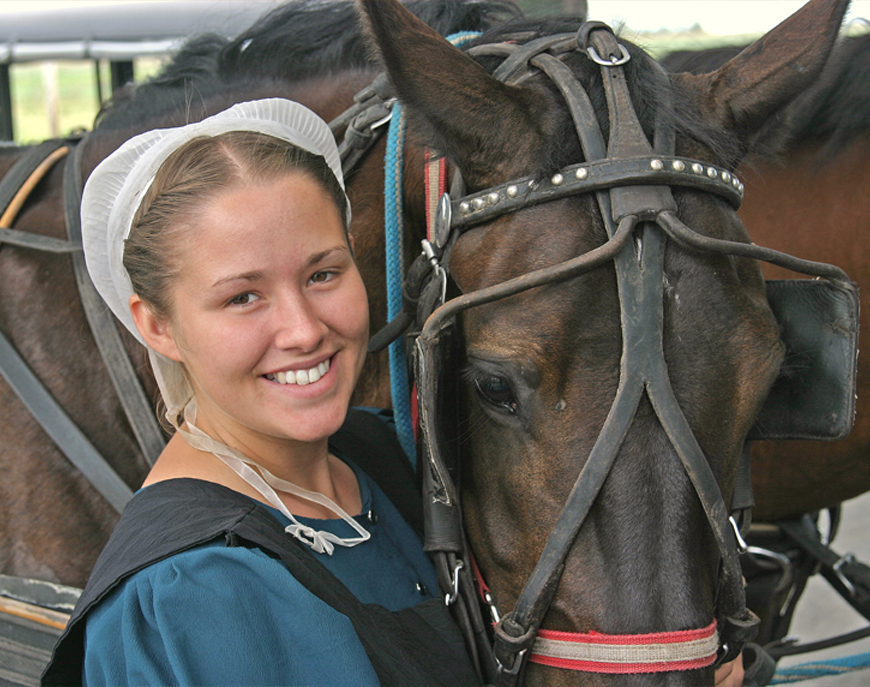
(317, 257)
(246, 276)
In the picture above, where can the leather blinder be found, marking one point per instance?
(814, 396)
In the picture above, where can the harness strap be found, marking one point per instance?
(139, 411)
(62, 430)
(32, 180)
(17, 185)
(848, 576)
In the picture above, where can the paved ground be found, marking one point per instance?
(821, 613)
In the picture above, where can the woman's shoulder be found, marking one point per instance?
(216, 603)
(212, 574)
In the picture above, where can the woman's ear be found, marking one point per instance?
(155, 330)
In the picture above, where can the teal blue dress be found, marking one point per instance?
(218, 615)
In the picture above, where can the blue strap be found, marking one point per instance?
(393, 169)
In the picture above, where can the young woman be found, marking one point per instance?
(254, 554)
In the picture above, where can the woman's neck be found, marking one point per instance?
(308, 465)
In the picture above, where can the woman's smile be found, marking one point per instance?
(301, 377)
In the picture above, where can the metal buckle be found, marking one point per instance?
(450, 598)
(386, 118)
(614, 61)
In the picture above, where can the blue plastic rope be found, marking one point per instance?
(814, 669)
(463, 37)
(393, 168)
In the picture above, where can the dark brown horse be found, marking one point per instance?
(805, 195)
(542, 367)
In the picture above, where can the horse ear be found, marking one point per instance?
(745, 92)
(475, 120)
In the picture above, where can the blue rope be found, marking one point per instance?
(394, 233)
(463, 37)
(814, 669)
(393, 168)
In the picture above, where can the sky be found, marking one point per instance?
(721, 17)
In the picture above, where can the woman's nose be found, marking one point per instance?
(298, 325)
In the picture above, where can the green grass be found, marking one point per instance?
(77, 99)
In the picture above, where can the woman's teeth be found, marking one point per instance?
(301, 377)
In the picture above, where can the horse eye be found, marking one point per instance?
(497, 392)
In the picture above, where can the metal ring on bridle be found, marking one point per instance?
(613, 61)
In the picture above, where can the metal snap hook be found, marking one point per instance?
(518, 663)
(450, 597)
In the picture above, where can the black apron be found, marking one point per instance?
(416, 646)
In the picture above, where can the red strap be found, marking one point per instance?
(435, 181)
(623, 654)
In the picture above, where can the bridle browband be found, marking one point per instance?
(630, 180)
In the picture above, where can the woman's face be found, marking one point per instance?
(269, 312)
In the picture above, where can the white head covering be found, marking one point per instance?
(115, 190)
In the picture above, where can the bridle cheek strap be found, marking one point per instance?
(658, 652)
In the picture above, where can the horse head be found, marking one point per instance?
(614, 326)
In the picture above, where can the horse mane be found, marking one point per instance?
(295, 42)
(700, 61)
(837, 109)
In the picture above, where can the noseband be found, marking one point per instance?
(631, 181)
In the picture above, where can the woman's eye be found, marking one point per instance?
(244, 299)
(322, 276)
(497, 392)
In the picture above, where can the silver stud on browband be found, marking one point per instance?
(657, 165)
(512, 191)
(712, 173)
(726, 177)
(493, 198)
(464, 208)
(477, 203)
(678, 165)
(557, 179)
(581, 173)
(697, 168)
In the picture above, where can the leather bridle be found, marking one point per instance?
(631, 181)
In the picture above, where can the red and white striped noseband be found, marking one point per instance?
(622, 654)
